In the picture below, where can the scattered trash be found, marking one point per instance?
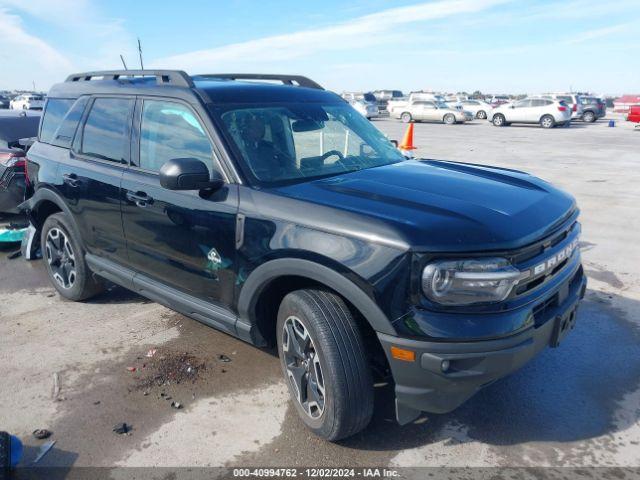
(145, 393)
(223, 358)
(170, 368)
(14, 255)
(131, 369)
(151, 352)
(41, 433)
(44, 449)
(97, 402)
(56, 386)
(612, 123)
(122, 429)
(10, 235)
(176, 405)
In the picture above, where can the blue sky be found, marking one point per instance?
(451, 45)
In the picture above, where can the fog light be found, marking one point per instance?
(445, 365)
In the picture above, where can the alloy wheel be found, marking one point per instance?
(61, 258)
(303, 367)
(547, 122)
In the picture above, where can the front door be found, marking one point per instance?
(178, 238)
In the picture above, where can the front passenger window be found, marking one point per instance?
(171, 130)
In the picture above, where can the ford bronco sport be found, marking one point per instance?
(277, 214)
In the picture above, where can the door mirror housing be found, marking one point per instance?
(189, 174)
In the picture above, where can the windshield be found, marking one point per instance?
(294, 142)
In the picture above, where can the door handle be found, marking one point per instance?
(141, 199)
(71, 179)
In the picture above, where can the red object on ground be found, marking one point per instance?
(407, 140)
(634, 114)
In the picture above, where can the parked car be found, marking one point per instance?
(13, 128)
(431, 111)
(498, 100)
(634, 114)
(478, 108)
(593, 108)
(548, 113)
(5, 102)
(384, 96)
(364, 103)
(27, 102)
(573, 101)
(398, 105)
(279, 215)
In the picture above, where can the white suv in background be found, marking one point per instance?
(27, 102)
(571, 99)
(364, 103)
(548, 113)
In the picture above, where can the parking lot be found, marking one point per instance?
(577, 405)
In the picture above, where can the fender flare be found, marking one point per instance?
(45, 194)
(260, 278)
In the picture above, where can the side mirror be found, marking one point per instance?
(394, 143)
(189, 174)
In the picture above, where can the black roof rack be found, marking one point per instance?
(285, 79)
(163, 77)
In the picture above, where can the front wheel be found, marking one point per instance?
(406, 117)
(499, 120)
(481, 115)
(547, 121)
(449, 119)
(589, 117)
(324, 363)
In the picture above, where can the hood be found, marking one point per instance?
(439, 206)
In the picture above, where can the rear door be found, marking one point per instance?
(91, 175)
(521, 112)
(178, 238)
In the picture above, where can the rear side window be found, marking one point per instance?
(67, 129)
(105, 134)
(54, 112)
(171, 130)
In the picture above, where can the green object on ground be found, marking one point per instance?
(12, 235)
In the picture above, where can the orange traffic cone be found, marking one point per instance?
(407, 140)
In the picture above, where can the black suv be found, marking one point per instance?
(278, 214)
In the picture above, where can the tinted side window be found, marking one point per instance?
(171, 130)
(540, 102)
(53, 114)
(105, 133)
(67, 129)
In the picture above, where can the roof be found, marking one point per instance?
(210, 88)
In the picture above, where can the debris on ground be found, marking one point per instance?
(171, 368)
(14, 255)
(131, 369)
(44, 449)
(176, 405)
(56, 386)
(223, 358)
(151, 352)
(122, 429)
(41, 433)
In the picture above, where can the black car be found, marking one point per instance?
(279, 215)
(13, 128)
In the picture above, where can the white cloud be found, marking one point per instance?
(365, 31)
(598, 33)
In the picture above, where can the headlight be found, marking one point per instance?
(465, 282)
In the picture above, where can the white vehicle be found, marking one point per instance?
(571, 99)
(431, 111)
(396, 106)
(364, 103)
(548, 113)
(479, 108)
(27, 101)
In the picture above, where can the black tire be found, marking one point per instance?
(481, 115)
(66, 266)
(589, 116)
(5, 451)
(499, 120)
(336, 345)
(406, 117)
(449, 119)
(547, 121)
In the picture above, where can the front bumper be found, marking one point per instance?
(422, 385)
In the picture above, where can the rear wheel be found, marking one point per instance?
(481, 115)
(324, 363)
(64, 259)
(547, 121)
(589, 117)
(406, 117)
(449, 119)
(499, 120)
